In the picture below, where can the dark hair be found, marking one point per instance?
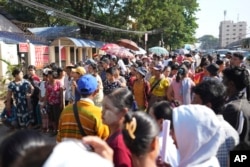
(111, 70)
(18, 144)
(94, 66)
(187, 63)
(15, 72)
(53, 73)
(211, 91)
(204, 62)
(31, 67)
(59, 70)
(139, 63)
(219, 62)
(53, 66)
(182, 71)
(238, 55)
(146, 129)
(34, 157)
(239, 76)
(175, 66)
(163, 110)
(121, 98)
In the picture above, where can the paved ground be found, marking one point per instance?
(4, 131)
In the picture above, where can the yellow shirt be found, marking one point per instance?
(161, 88)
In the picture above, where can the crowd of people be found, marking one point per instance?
(114, 111)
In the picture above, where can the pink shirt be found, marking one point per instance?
(53, 93)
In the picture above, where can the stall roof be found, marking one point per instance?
(76, 42)
(15, 38)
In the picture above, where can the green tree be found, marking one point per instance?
(209, 42)
(173, 21)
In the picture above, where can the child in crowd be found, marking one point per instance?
(9, 118)
(111, 83)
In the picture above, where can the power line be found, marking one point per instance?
(46, 9)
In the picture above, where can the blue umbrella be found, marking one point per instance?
(158, 50)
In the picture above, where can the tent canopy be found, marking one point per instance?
(75, 42)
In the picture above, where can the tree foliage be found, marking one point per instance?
(173, 20)
(209, 42)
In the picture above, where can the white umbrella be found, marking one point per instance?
(141, 51)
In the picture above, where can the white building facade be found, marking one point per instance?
(231, 32)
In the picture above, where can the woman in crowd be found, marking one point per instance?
(141, 137)
(42, 108)
(111, 83)
(22, 90)
(158, 85)
(93, 69)
(160, 111)
(180, 88)
(54, 100)
(120, 78)
(197, 134)
(115, 106)
(141, 88)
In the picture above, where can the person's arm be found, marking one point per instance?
(170, 93)
(9, 96)
(167, 85)
(122, 82)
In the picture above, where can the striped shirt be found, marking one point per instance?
(90, 118)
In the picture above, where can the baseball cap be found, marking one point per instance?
(79, 70)
(142, 71)
(87, 84)
(158, 67)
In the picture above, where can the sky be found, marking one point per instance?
(212, 13)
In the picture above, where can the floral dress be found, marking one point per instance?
(20, 90)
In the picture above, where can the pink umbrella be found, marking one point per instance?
(120, 52)
(108, 46)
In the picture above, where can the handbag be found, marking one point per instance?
(78, 120)
(152, 88)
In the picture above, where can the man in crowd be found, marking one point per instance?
(211, 93)
(89, 114)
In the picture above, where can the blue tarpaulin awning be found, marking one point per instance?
(76, 42)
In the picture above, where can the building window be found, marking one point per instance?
(240, 29)
(234, 25)
(233, 29)
(228, 26)
(240, 25)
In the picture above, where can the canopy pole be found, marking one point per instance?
(59, 46)
(74, 55)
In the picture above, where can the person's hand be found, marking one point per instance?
(100, 147)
